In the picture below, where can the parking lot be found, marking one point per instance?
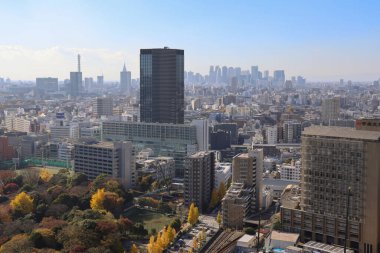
(207, 224)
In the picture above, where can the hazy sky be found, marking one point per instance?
(319, 39)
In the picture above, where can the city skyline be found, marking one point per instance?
(320, 40)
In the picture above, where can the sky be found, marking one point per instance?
(322, 40)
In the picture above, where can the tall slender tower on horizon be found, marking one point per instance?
(162, 85)
(78, 62)
(125, 81)
(75, 86)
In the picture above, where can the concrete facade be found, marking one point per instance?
(333, 159)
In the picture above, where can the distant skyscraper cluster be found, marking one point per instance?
(236, 77)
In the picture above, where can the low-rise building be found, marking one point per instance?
(283, 240)
(162, 169)
(64, 132)
(291, 171)
(245, 244)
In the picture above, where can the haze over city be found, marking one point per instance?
(322, 40)
(180, 126)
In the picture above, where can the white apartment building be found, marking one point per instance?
(64, 132)
(271, 134)
(291, 171)
(223, 174)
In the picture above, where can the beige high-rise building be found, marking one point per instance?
(247, 168)
(237, 205)
(244, 196)
(199, 179)
(334, 159)
(330, 108)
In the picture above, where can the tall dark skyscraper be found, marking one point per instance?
(162, 85)
(125, 81)
(75, 85)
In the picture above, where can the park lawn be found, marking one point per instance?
(150, 219)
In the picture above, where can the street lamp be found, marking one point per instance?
(258, 231)
(349, 194)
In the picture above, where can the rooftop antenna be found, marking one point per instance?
(78, 62)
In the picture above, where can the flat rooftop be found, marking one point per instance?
(246, 238)
(325, 247)
(287, 237)
(341, 132)
(104, 144)
(200, 154)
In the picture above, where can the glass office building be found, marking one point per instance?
(174, 140)
(162, 85)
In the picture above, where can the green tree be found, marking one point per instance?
(176, 224)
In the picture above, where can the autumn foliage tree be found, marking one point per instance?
(45, 175)
(217, 195)
(214, 198)
(219, 218)
(221, 191)
(10, 188)
(22, 203)
(162, 240)
(97, 199)
(110, 201)
(134, 249)
(193, 215)
(195, 243)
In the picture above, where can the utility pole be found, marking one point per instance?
(258, 231)
(347, 213)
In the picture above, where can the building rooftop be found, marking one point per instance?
(104, 144)
(199, 154)
(341, 132)
(246, 238)
(287, 237)
(317, 246)
(281, 183)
